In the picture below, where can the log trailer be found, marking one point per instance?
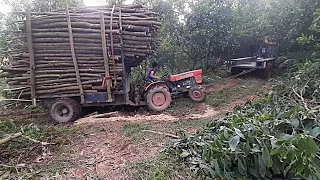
(82, 57)
(262, 61)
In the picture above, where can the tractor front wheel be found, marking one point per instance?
(197, 94)
(65, 110)
(158, 99)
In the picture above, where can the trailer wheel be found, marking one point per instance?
(65, 110)
(158, 99)
(197, 95)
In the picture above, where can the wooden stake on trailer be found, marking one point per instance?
(74, 58)
(111, 39)
(125, 77)
(105, 55)
(31, 56)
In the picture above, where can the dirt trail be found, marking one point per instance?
(213, 88)
(107, 151)
(104, 153)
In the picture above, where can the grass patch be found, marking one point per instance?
(23, 151)
(183, 125)
(245, 88)
(163, 167)
(181, 105)
(133, 131)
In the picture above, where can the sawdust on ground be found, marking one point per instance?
(207, 111)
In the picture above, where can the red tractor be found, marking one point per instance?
(158, 94)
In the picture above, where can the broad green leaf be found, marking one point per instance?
(216, 167)
(239, 133)
(247, 147)
(266, 156)
(204, 153)
(315, 132)
(284, 136)
(276, 167)
(207, 168)
(262, 166)
(295, 122)
(310, 178)
(241, 167)
(225, 133)
(275, 151)
(312, 148)
(286, 170)
(300, 167)
(253, 172)
(184, 154)
(233, 142)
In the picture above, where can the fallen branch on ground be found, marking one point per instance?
(20, 100)
(161, 133)
(105, 115)
(16, 135)
(91, 114)
(36, 141)
(301, 97)
(10, 137)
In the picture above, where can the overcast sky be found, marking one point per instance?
(6, 8)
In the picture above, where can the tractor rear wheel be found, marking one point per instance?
(65, 110)
(158, 99)
(197, 94)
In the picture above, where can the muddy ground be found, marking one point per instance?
(114, 147)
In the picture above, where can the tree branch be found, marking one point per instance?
(301, 97)
(10, 137)
(161, 133)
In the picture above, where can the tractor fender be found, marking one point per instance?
(159, 83)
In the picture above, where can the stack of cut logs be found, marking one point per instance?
(92, 41)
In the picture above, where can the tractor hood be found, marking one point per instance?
(197, 74)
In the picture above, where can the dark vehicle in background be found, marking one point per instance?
(262, 59)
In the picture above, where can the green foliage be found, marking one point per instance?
(133, 131)
(23, 151)
(313, 39)
(242, 90)
(196, 33)
(139, 78)
(274, 138)
(162, 167)
(279, 143)
(303, 83)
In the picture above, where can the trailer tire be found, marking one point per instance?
(197, 94)
(64, 110)
(158, 99)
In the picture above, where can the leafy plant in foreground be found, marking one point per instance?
(255, 143)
